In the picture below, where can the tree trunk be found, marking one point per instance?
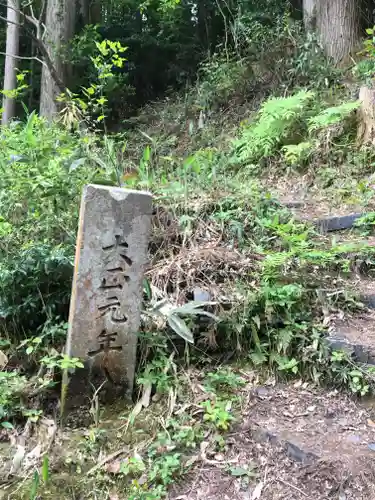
(309, 14)
(95, 12)
(366, 117)
(85, 11)
(31, 73)
(60, 23)
(12, 46)
(338, 24)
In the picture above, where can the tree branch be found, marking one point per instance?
(51, 68)
(27, 58)
(41, 46)
(11, 22)
(31, 18)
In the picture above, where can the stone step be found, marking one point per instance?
(360, 290)
(336, 223)
(355, 335)
(366, 292)
(308, 212)
(360, 253)
(314, 426)
(298, 442)
(369, 300)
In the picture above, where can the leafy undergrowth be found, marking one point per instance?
(133, 454)
(233, 274)
(268, 286)
(198, 437)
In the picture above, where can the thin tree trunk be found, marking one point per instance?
(338, 24)
(12, 48)
(60, 23)
(31, 72)
(309, 14)
(85, 11)
(95, 12)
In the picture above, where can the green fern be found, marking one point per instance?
(297, 153)
(275, 122)
(332, 116)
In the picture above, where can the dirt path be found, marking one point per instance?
(278, 478)
(289, 442)
(294, 443)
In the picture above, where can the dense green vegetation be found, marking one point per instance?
(245, 95)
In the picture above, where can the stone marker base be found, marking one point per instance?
(89, 382)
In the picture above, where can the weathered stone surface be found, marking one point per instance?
(293, 204)
(360, 353)
(107, 287)
(337, 223)
(356, 335)
(368, 300)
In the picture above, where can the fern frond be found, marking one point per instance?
(274, 123)
(332, 116)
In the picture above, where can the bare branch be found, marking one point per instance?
(31, 19)
(41, 46)
(27, 58)
(60, 84)
(11, 22)
(42, 9)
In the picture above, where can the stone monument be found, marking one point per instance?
(106, 296)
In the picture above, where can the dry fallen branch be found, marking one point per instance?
(25, 58)
(109, 458)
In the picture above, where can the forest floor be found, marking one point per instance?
(291, 441)
(220, 431)
(287, 441)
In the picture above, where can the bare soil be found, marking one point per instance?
(310, 201)
(358, 329)
(301, 442)
(289, 442)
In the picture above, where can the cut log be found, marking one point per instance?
(366, 117)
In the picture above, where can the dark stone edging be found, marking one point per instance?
(292, 450)
(359, 352)
(328, 224)
(368, 300)
(339, 223)
(293, 204)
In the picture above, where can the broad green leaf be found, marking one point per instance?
(7, 425)
(147, 288)
(77, 163)
(179, 326)
(45, 469)
(34, 486)
(238, 471)
(256, 320)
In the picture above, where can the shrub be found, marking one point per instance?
(43, 169)
(220, 78)
(276, 121)
(281, 121)
(332, 116)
